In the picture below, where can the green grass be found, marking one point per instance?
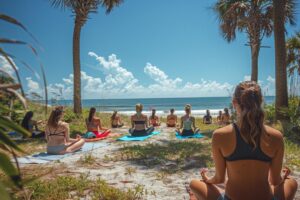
(176, 152)
(87, 159)
(70, 187)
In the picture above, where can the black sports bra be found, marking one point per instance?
(55, 133)
(140, 122)
(244, 151)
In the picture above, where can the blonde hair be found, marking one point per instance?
(139, 107)
(188, 108)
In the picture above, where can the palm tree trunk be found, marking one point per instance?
(280, 58)
(254, 61)
(76, 67)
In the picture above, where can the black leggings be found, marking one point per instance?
(144, 132)
(189, 132)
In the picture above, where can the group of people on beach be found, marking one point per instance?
(249, 152)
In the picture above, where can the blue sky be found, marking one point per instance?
(160, 49)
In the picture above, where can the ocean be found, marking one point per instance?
(162, 105)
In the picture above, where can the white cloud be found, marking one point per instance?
(32, 85)
(118, 82)
(160, 77)
(6, 67)
(247, 78)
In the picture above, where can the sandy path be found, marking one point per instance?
(158, 185)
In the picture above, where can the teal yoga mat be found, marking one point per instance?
(180, 137)
(134, 138)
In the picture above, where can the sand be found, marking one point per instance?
(127, 174)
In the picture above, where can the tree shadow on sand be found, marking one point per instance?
(170, 157)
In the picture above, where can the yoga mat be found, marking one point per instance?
(180, 137)
(134, 138)
(43, 157)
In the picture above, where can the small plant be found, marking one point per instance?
(87, 159)
(130, 170)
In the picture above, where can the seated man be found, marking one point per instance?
(207, 119)
(153, 119)
(172, 119)
(139, 123)
(187, 123)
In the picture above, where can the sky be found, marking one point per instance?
(141, 49)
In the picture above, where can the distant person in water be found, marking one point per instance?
(94, 126)
(249, 153)
(207, 119)
(187, 123)
(154, 119)
(31, 125)
(57, 135)
(219, 118)
(226, 117)
(116, 121)
(172, 119)
(139, 123)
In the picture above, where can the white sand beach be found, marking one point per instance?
(163, 181)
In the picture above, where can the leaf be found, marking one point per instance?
(4, 138)
(10, 41)
(45, 88)
(14, 67)
(9, 169)
(4, 193)
(11, 125)
(16, 22)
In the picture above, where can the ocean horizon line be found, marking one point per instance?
(151, 98)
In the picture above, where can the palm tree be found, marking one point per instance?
(255, 18)
(281, 100)
(293, 53)
(293, 62)
(81, 9)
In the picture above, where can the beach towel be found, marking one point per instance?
(181, 137)
(43, 157)
(137, 138)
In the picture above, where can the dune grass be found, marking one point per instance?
(71, 187)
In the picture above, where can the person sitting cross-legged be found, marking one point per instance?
(57, 135)
(250, 153)
(154, 119)
(139, 123)
(172, 119)
(187, 123)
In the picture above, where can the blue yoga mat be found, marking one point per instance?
(43, 157)
(180, 137)
(134, 138)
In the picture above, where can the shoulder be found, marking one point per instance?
(274, 134)
(63, 124)
(222, 133)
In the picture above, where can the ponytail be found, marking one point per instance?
(91, 114)
(248, 96)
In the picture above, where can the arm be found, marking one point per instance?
(146, 122)
(132, 122)
(194, 124)
(276, 165)
(220, 164)
(181, 123)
